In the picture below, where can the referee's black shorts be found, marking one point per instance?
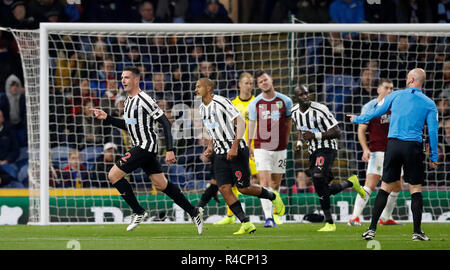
(139, 158)
(407, 154)
(233, 172)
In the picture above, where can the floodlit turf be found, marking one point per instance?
(185, 237)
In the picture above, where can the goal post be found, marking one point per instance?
(288, 51)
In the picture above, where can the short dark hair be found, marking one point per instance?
(259, 73)
(135, 70)
(381, 81)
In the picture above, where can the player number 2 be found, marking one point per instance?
(126, 157)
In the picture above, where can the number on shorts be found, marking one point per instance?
(320, 161)
(282, 163)
(238, 175)
(126, 157)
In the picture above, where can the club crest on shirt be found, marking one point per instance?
(279, 104)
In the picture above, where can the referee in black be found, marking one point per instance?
(140, 116)
(319, 128)
(410, 110)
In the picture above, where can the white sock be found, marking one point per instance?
(267, 206)
(360, 203)
(390, 204)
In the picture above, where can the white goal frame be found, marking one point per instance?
(45, 28)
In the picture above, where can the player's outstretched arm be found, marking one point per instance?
(100, 114)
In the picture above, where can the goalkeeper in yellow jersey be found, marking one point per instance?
(241, 103)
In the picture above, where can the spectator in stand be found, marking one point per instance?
(441, 77)
(5, 13)
(413, 11)
(364, 93)
(47, 11)
(147, 13)
(12, 103)
(108, 100)
(172, 11)
(197, 9)
(442, 104)
(106, 73)
(119, 47)
(347, 11)
(166, 108)
(20, 19)
(159, 52)
(75, 174)
(229, 77)
(98, 11)
(212, 14)
(103, 165)
(134, 57)
(9, 146)
(181, 86)
(336, 55)
(441, 11)
(79, 95)
(383, 12)
(195, 57)
(89, 126)
(303, 183)
(208, 70)
(401, 60)
(313, 11)
(161, 89)
(216, 53)
(8, 54)
(66, 64)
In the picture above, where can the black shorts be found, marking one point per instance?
(410, 155)
(139, 158)
(233, 172)
(321, 162)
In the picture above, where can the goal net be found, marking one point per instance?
(69, 68)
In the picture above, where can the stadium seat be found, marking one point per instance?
(60, 156)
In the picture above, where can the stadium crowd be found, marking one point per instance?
(87, 69)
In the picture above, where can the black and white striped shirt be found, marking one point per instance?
(317, 118)
(218, 119)
(140, 114)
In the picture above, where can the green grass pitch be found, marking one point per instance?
(288, 236)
